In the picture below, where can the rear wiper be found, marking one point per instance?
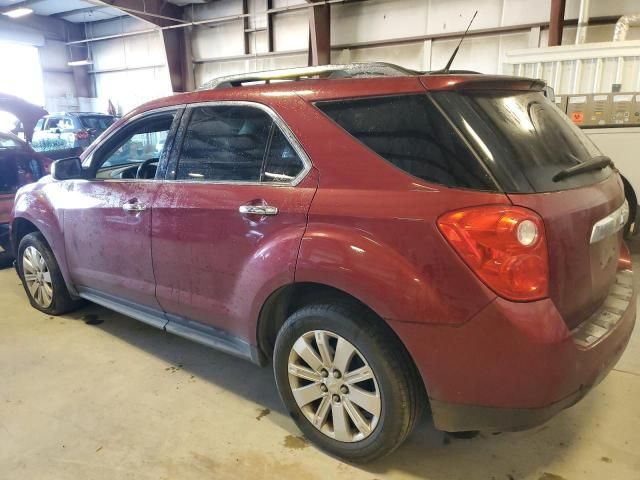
(596, 163)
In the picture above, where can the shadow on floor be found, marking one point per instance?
(428, 452)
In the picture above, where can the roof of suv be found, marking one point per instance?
(339, 81)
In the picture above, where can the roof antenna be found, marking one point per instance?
(455, 52)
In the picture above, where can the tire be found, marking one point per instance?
(36, 261)
(632, 201)
(6, 257)
(395, 381)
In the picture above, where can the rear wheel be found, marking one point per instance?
(41, 277)
(347, 381)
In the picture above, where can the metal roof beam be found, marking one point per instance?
(157, 12)
(78, 11)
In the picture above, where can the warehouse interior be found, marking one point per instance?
(93, 393)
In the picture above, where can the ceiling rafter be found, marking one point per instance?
(157, 12)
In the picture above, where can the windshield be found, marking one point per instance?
(99, 123)
(523, 138)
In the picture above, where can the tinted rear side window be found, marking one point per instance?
(283, 163)
(523, 138)
(409, 132)
(225, 144)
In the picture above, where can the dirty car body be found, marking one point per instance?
(435, 202)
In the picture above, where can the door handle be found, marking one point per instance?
(134, 206)
(258, 209)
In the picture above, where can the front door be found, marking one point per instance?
(107, 218)
(228, 225)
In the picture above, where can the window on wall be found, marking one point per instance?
(21, 76)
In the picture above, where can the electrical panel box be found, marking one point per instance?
(625, 109)
(561, 102)
(577, 108)
(604, 109)
(599, 109)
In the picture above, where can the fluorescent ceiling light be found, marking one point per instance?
(79, 63)
(18, 12)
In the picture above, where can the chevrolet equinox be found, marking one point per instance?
(391, 240)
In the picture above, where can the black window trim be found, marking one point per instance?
(427, 94)
(277, 122)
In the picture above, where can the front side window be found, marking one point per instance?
(409, 132)
(9, 178)
(18, 170)
(142, 142)
(236, 144)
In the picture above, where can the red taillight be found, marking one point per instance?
(81, 135)
(504, 246)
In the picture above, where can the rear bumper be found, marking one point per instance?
(515, 365)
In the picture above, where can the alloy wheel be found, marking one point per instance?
(37, 277)
(334, 386)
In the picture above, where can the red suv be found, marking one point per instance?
(390, 239)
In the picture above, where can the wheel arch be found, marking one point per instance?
(21, 227)
(287, 299)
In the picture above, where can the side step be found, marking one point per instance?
(192, 330)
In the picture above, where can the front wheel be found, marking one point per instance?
(41, 276)
(347, 381)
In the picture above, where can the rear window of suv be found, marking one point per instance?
(98, 122)
(410, 132)
(523, 138)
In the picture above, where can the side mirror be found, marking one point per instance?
(67, 169)
(550, 93)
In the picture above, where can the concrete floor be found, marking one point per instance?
(123, 400)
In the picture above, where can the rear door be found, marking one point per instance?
(228, 222)
(525, 141)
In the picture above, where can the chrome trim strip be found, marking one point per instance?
(258, 209)
(614, 307)
(610, 224)
(347, 70)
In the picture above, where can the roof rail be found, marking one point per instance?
(352, 70)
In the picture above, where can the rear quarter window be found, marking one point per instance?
(411, 133)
